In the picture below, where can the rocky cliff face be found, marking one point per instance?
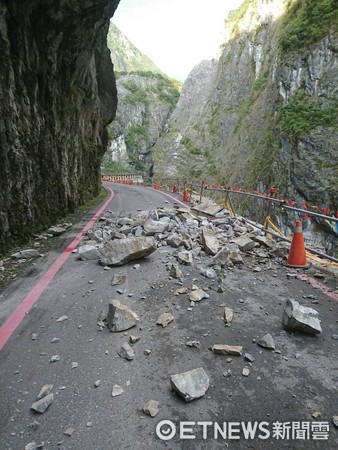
(146, 100)
(57, 96)
(264, 113)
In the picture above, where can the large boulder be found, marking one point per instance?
(122, 251)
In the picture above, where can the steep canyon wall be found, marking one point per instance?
(265, 111)
(57, 94)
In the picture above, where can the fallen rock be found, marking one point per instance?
(266, 342)
(151, 408)
(56, 231)
(88, 252)
(45, 390)
(190, 385)
(41, 405)
(265, 241)
(152, 227)
(24, 254)
(175, 271)
(117, 390)
(197, 295)
(245, 372)
(210, 209)
(120, 317)
(126, 352)
(122, 251)
(196, 344)
(165, 319)
(118, 279)
(31, 446)
(69, 432)
(209, 241)
(208, 272)
(228, 315)
(223, 349)
(249, 357)
(62, 318)
(133, 339)
(244, 243)
(335, 420)
(300, 318)
(236, 259)
(185, 257)
(222, 256)
(174, 240)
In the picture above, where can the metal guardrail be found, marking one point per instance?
(282, 203)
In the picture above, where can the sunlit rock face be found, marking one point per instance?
(57, 96)
(261, 115)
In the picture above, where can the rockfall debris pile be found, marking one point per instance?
(205, 237)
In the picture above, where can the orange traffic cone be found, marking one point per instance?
(297, 254)
(174, 189)
(185, 195)
(156, 185)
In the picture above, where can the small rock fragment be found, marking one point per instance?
(117, 390)
(118, 279)
(249, 357)
(33, 337)
(223, 349)
(266, 342)
(228, 315)
(69, 432)
(151, 408)
(245, 372)
(75, 365)
(165, 319)
(45, 390)
(55, 358)
(196, 344)
(197, 295)
(41, 405)
(133, 339)
(97, 383)
(316, 414)
(62, 318)
(31, 446)
(126, 352)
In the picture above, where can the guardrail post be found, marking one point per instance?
(202, 189)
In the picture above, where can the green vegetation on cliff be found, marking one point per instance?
(302, 114)
(306, 22)
(124, 55)
(165, 88)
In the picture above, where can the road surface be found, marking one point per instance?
(285, 386)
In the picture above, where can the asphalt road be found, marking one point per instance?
(284, 386)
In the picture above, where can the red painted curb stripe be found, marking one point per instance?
(19, 313)
(314, 283)
(170, 196)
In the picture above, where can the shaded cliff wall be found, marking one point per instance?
(57, 94)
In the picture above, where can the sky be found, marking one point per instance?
(175, 34)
